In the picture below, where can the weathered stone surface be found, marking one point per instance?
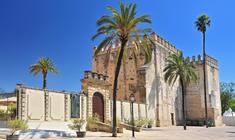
(42, 105)
(163, 101)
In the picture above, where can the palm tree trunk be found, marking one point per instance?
(183, 102)
(204, 75)
(124, 80)
(44, 81)
(119, 62)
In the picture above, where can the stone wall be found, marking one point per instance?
(124, 110)
(42, 105)
(163, 100)
(195, 99)
(47, 105)
(95, 83)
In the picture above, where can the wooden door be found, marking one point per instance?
(98, 105)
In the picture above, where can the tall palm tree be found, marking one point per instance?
(202, 23)
(44, 65)
(121, 26)
(179, 68)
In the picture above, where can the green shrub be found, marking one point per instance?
(126, 121)
(138, 122)
(11, 109)
(194, 123)
(8, 114)
(189, 123)
(16, 125)
(118, 122)
(110, 122)
(150, 122)
(92, 122)
(200, 123)
(141, 122)
(211, 123)
(77, 124)
(3, 114)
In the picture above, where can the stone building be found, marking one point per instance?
(6, 99)
(195, 102)
(155, 99)
(35, 104)
(147, 82)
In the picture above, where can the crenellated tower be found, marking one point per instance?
(195, 102)
(163, 102)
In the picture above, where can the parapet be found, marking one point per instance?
(104, 51)
(209, 60)
(212, 61)
(95, 76)
(22, 86)
(197, 60)
(165, 43)
(156, 37)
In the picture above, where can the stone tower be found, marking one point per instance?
(164, 102)
(195, 102)
(105, 63)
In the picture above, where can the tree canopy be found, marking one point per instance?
(44, 65)
(181, 68)
(202, 23)
(227, 96)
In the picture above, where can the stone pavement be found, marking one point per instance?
(171, 133)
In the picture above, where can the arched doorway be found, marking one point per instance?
(98, 105)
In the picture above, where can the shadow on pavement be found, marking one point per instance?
(145, 129)
(230, 132)
(32, 133)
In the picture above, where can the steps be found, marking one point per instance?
(4, 132)
(43, 129)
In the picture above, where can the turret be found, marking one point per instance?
(95, 76)
(157, 38)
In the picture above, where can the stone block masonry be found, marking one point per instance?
(163, 101)
(42, 105)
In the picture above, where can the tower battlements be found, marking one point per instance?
(95, 76)
(209, 60)
(212, 61)
(197, 60)
(157, 38)
(165, 43)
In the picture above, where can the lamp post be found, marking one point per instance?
(132, 99)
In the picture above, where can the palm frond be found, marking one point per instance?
(202, 23)
(103, 44)
(179, 67)
(122, 24)
(43, 65)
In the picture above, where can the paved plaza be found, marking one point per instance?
(171, 133)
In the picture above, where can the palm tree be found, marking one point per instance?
(121, 26)
(180, 68)
(202, 23)
(44, 65)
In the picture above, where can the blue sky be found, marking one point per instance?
(62, 30)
